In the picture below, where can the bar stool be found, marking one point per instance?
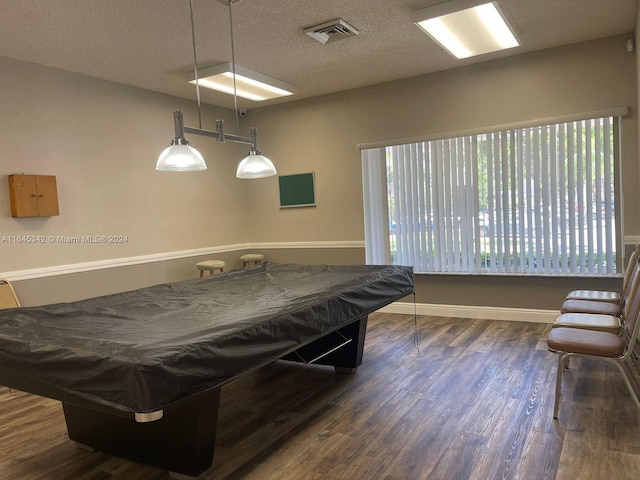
(211, 266)
(247, 258)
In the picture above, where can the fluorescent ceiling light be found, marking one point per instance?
(469, 32)
(249, 84)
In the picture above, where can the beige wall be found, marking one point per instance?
(101, 141)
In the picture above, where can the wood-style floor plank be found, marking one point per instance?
(449, 399)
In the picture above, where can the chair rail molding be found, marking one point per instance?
(50, 271)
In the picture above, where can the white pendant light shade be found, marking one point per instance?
(180, 158)
(255, 165)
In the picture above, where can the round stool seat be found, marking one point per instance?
(247, 258)
(211, 266)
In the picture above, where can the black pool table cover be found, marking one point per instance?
(144, 350)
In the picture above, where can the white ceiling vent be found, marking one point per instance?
(331, 31)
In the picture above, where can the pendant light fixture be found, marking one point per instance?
(181, 157)
(255, 165)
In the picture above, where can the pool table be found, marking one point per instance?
(139, 373)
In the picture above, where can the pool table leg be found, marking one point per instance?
(344, 358)
(349, 358)
(345, 370)
(182, 441)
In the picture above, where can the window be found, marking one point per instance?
(538, 200)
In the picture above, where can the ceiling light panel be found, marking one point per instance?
(249, 84)
(470, 31)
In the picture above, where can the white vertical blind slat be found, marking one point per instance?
(375, 199)
(481, 219)
(590, 198)
(554, 219)
(608, 194)
(581, 195)
(565, 213)
(599, 152)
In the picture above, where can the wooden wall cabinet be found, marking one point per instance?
(33, 195)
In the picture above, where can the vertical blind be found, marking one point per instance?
(532, 200)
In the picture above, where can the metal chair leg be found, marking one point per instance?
(627, 375)
(563, 359)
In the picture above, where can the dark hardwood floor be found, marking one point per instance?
(475, 402)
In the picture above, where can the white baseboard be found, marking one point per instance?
(473, 312)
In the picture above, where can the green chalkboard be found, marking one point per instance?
(297, 190)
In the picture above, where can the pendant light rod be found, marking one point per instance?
(233, 68)
(178, 124)
(220, 135)
(195, 62)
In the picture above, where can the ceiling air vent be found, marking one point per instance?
(331, 31)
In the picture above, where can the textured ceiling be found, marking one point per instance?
(147, 43)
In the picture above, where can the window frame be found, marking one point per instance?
(382, 229)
